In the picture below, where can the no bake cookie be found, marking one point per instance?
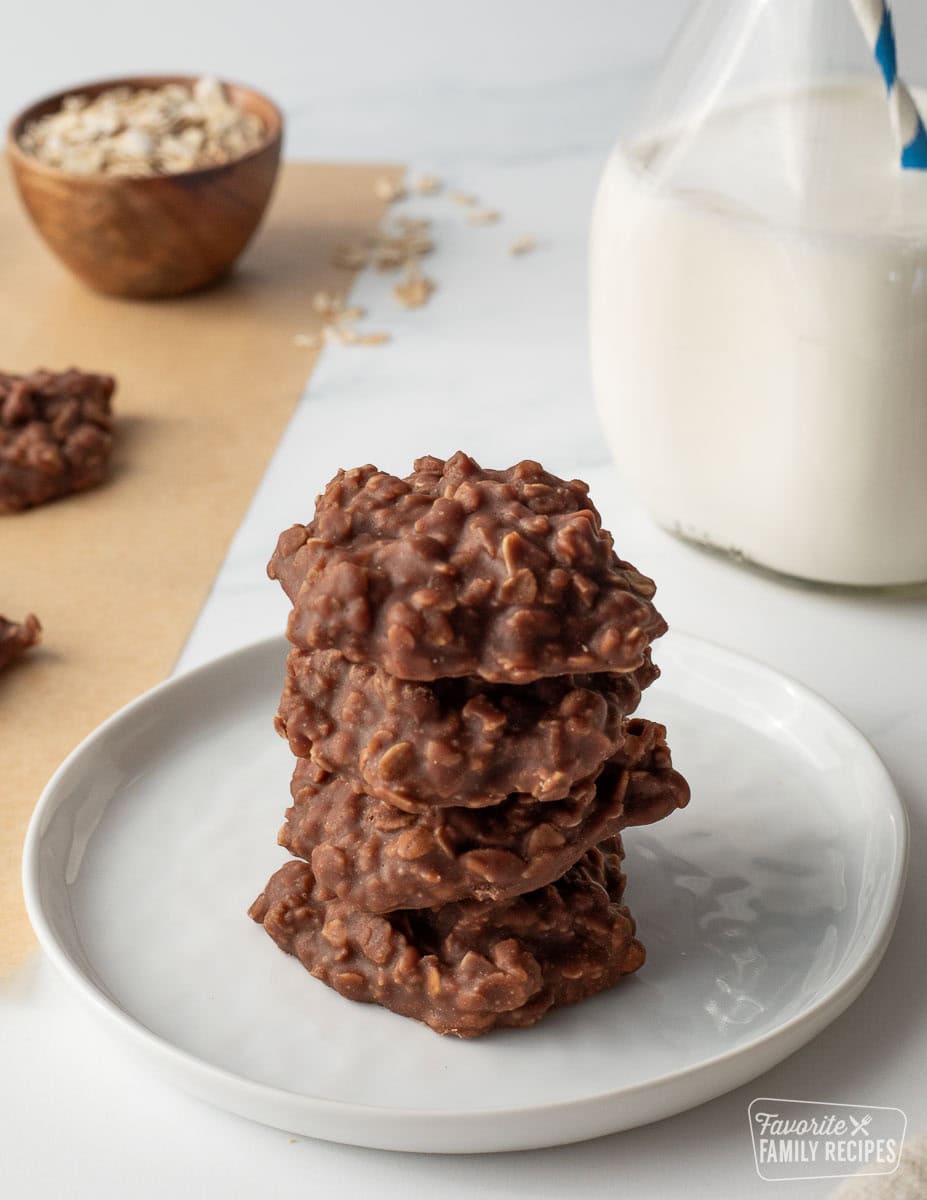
(462, 741)
(456, 570)
(467, 652)
(380, 858)
(468, 967)
(55, 435)
(16, 637)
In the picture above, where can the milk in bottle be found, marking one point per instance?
(759, 332)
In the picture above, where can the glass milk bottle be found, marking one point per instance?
(759, 291)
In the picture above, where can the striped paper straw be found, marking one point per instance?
(875, 17)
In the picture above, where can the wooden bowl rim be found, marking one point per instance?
(54, 100)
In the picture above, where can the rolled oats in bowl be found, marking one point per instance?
(159, 130)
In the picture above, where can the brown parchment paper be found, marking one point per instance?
(205, 387)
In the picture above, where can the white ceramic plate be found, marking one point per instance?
(765, 908)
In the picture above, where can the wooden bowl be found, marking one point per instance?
(158, 235)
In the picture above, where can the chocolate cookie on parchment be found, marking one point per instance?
(17, 637)
(55, 435)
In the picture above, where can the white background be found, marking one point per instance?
(519, 102)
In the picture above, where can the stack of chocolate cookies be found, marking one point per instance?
(467, 654)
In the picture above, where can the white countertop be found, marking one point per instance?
(516, 102)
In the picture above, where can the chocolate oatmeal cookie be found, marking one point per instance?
(654, 789)
(456, 570)
(461, 742)
(55, 435)
(16, 638)
(379, 858)
(468, 967)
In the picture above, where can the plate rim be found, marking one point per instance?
(829, 1006)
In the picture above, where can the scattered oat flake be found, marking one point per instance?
(389, 255)
(311, 341)
(415, 289)
(354, 337)
(350, 258)
(427, 185)
(389, 190)
(417, 244)
(326, 304)
(333, 309)
(388, 249)
(341, 334)
(397, 246)
(412, 224)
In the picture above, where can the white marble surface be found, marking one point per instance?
(518, 103)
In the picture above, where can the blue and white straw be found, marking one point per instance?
(875, 17)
